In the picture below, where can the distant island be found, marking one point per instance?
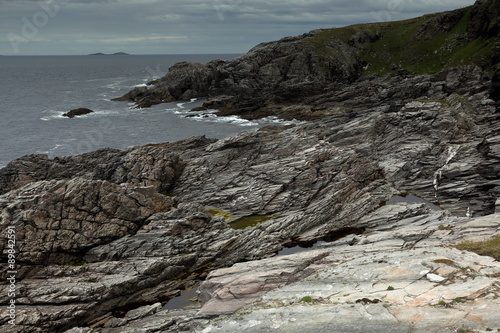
(117, 53)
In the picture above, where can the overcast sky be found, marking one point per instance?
(67, 27)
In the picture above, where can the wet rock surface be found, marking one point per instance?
(77, 112)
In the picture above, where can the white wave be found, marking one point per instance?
(276, 120)
(210, 117)
(189, 112)
(52, 114)
(180, 105)
(141, 85)
(113, 86)
(57, 146)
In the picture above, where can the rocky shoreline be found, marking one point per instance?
(105, 233)
(386, 176)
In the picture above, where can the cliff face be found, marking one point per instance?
(391, 171)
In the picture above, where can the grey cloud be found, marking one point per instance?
(205, 26)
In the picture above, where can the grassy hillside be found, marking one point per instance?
(427, 44)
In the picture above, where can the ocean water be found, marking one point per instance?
(36, 90)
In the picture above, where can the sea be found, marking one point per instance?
(35, 92)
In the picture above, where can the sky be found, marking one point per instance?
(73, 27)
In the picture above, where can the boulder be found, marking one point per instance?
(77, 112)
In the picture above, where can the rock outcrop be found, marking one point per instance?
(287, 68)
(77, 112)
(274, 78)
(112, 231)
(401, 274)
(183, 82)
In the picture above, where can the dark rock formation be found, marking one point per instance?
(295, 70)
(484, 19)
(77, 112)
(287, 68)
(183, 82)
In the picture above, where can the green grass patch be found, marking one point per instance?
(250, 221)
(216, 212)
(443, 102)
(445, 261)
(416, 45)
(76, 262)
(306, 299)
(486, 248)
(442, 227)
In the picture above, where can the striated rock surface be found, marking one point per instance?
(109, 232)
(396, 278)
(399, 275)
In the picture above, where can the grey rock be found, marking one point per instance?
(317, 179)
(182, 82)
(435, 278)
(351, 288)
(77, 112)
(283, 69)
(57, 220)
